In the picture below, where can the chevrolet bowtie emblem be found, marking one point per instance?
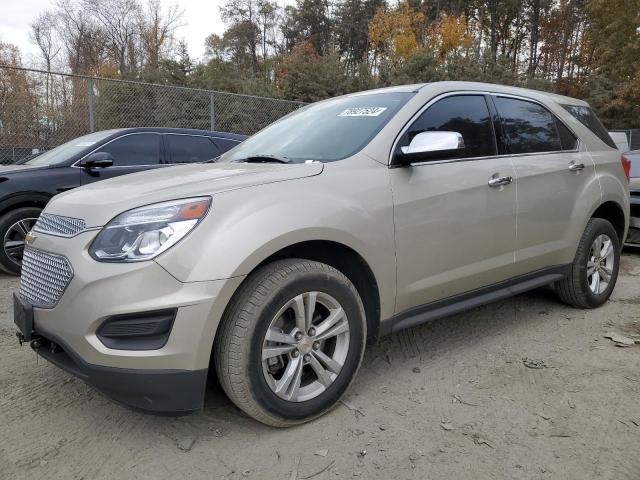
(29, 238)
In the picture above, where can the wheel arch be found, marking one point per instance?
(342, 258)
(38, 200)
(612, 212)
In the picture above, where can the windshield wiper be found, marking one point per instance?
(264, 159)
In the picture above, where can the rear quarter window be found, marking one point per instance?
(589, 119)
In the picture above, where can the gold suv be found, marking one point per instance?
(346, 220)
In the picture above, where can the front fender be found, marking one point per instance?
(247, 226)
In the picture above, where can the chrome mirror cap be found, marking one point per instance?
(434, 142)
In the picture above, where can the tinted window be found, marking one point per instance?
(465, 114)
(136, 149)
(529, 127)
(586, 117)
(226, 144)
(567, 139)
(188, 149)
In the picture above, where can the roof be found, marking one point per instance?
(507, 89)
(183, 131)
(490, 87)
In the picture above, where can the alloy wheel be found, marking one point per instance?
(305, 346)
(600, 264)
(13, 242)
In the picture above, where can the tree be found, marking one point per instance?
(309, 21)
(158, 27)
(308, 76)
(351, 26)
(119, 22)
(83, 42)
(243, 33)
(43, 34)
(18, 103)
(396, 32)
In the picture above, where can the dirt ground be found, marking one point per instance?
(449, 400)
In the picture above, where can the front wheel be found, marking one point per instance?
(595, 268)
(290, 342)
(14, 226)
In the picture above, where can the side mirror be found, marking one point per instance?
(429, 146)
(97, 160)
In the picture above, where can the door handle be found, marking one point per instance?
(500, 181)
(576, 167)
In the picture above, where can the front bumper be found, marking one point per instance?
(167, 379)
(157, 391)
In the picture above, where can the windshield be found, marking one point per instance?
(325, 131)
(63, 152)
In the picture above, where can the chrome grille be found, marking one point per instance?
(59, 225)
(44, 277)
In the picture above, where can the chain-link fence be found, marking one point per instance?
(40, 110)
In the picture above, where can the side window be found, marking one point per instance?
(567, 139)
(135, 149)
(465, 114)
(529, 127)
(189, 149)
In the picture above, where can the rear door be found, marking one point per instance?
(190, 148)
(133, 152)
(454, 232)
(551, 177)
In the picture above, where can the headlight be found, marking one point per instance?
(145, 232)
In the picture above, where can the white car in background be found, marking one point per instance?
(631, 150)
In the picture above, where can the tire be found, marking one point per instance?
(14, 224)
(260, 303)
(576, 289)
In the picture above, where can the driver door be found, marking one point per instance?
(454, 232)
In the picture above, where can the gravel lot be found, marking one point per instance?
(451, 399)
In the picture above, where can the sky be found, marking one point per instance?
(201, 18)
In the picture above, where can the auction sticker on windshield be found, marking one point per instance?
(362, 112)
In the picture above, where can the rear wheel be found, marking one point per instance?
(14, 226)
(595, 268)
(291, 342)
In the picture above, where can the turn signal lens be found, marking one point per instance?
(194, 210)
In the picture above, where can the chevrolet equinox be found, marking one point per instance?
(348, 219)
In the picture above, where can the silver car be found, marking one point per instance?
(344, 221)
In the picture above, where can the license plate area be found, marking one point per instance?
(23, 317)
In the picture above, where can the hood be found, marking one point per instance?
(19, 168)
(100, 202)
